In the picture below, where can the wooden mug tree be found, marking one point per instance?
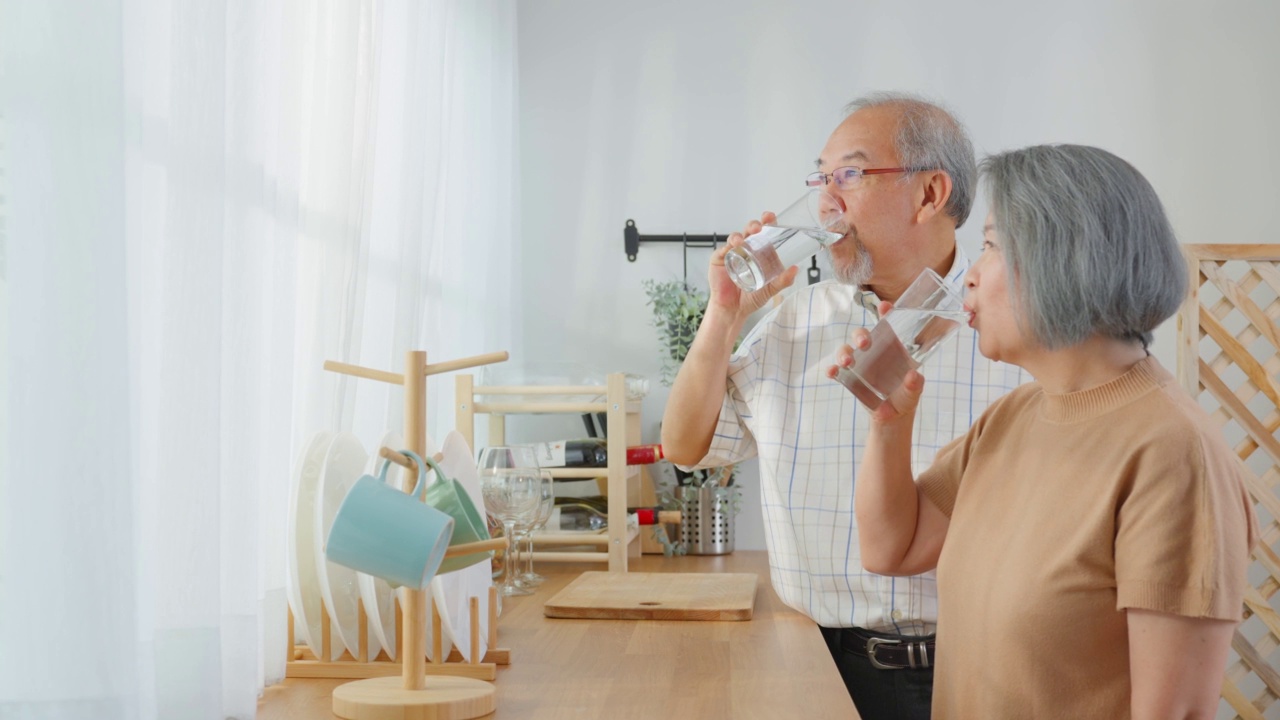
(415, 694)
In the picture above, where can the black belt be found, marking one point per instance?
(894, 653)
(899, 655)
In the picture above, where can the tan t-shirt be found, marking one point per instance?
(1066, 510)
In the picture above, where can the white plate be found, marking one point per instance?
(304, 587)
(378, 596)
(457, 588)
(343, 466)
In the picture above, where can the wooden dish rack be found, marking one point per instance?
(623, 417)
(452, 688)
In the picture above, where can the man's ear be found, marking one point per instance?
(935, 191)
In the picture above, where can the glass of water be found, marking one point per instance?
(797, 234)
(927, 313)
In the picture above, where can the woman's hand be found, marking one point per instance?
(902, 402)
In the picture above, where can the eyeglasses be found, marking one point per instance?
(847, 177)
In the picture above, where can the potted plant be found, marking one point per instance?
(677, 313)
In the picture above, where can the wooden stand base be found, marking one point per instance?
(443, 698)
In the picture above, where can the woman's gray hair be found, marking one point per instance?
(930, 137)
(1087, 244)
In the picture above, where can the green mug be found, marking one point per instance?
(447, 495)
(383, 532)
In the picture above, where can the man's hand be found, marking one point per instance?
(727, 297)
(693, 405)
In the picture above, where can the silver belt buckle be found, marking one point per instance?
(872, 644)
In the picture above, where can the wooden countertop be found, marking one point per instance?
(773, 666)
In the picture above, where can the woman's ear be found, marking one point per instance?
(935, 191)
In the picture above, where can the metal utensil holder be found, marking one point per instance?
(707, 527)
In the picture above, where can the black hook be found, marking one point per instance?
(631, 240)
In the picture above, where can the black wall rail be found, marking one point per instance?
(632, 239)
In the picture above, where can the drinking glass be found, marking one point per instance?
(926, 314)
(510, 481)
(797, 234)
(547, 503)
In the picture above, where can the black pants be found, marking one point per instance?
(879, 694)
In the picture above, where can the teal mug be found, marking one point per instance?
(385, 533)
(449, 496)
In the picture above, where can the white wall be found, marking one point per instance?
(694, 116)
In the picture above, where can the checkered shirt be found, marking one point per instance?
(809, 432)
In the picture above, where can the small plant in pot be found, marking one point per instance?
(677, 313)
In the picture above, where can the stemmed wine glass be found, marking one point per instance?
(511, 484)
(547, 503)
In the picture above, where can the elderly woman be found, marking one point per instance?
(1091, 531)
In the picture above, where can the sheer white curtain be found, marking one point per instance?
(201, 202)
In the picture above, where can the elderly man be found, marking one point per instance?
(906, 172)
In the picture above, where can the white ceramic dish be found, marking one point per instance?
(304, 586)
(457, 588)
(344, 464)
(379, 597)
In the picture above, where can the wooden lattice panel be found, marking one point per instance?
(1229, 359)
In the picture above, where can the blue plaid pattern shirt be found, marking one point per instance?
(809, 432)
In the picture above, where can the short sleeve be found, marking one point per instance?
(732, 442)
(941, 482)
(1184, 530)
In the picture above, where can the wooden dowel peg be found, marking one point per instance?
(467, 362)
(475, 547)
(515, 408)
(560, 556)
(364, 372)
(493, 616)
(413, 664)
(592, 390)
(399, 627)
(475, 631)
(403, 460)
(362, 647)
(437, 633)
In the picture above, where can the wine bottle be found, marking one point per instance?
(588, 514)
(655, 515)
(591, 452)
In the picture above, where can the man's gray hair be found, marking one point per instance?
(1087, 244)
(930, 137)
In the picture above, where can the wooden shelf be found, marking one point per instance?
(588, 473)
(623, 418)
(580, 537)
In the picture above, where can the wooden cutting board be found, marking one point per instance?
(656, 596)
